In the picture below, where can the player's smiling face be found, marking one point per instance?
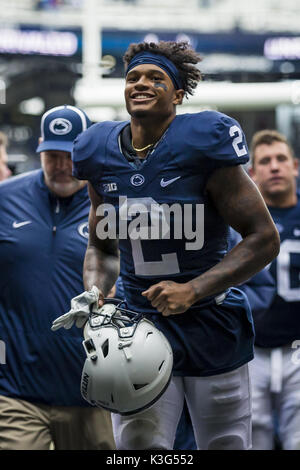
(149, 89)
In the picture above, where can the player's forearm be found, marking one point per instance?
(100, 269)
(250, 256)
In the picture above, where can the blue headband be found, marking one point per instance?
(159, 60)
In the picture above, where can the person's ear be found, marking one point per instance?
(179, 95)
(296, 167)
(251, 173)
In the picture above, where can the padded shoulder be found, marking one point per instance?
(89, 149)
(217, 136)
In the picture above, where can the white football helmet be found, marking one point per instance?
(129, 361)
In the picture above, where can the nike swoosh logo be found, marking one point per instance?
(164, 183)
(20, 224)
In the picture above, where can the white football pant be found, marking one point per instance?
(275, 380)
(220, 409)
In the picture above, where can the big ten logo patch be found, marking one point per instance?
(109, 187)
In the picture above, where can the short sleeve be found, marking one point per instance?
(85, 154)
(228, 142)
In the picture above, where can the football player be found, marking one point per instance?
(275, 371)
(167, 186)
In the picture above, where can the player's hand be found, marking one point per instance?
(81, 307)
(170, 298)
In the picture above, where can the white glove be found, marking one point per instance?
(80, 310)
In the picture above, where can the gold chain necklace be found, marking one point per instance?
(142, 149)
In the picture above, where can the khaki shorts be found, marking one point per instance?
(32, 426)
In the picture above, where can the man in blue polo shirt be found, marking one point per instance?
(43, 238)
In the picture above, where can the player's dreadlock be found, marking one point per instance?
(180, 53)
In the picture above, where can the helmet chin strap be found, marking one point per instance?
(111, 313)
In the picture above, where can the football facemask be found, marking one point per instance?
(129, 361)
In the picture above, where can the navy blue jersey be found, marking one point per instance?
(169, 191)
(259, 289)
(42, 245)
(280, 324)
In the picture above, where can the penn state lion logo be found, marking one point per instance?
(60, 126)
(137, 180)
(83, 229)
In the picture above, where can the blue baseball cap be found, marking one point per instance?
(60, 126)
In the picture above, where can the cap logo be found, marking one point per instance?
(60, 126)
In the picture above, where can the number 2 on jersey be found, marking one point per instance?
(237, 140)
